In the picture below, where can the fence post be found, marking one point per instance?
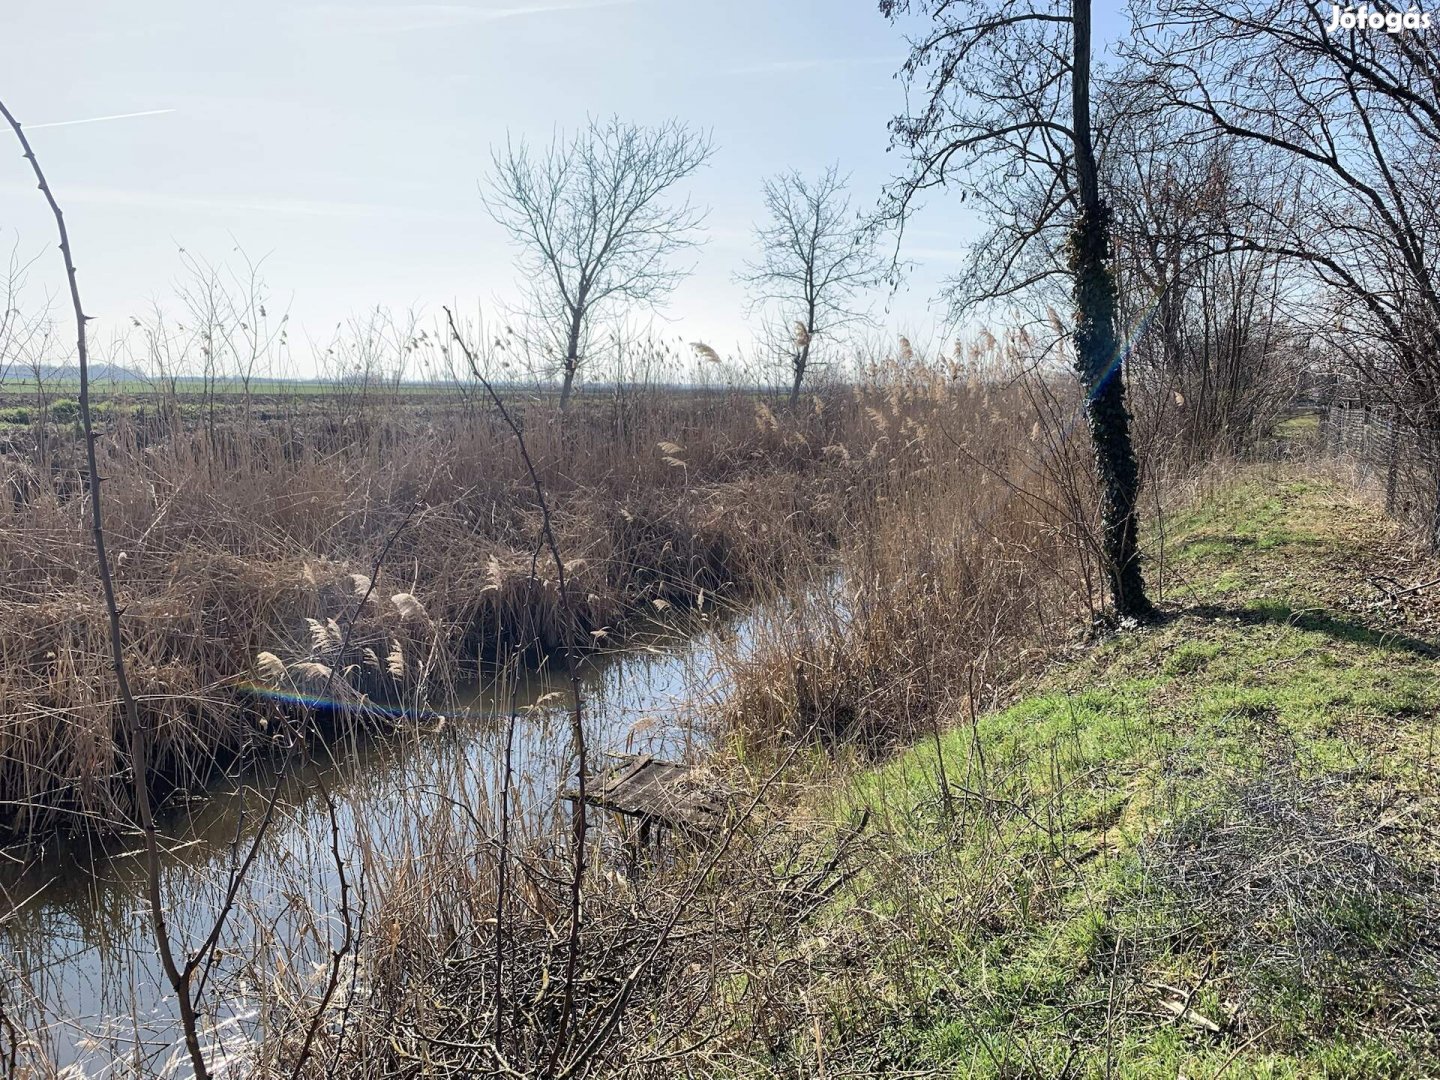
(1392, 466)
(1433, 460)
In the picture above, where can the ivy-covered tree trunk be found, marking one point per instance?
(1097, 352)
(1097, 361)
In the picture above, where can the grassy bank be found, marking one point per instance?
(1199, 849)
(976, 833)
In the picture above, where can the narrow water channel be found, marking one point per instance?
(77, 958)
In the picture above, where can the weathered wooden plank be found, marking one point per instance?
(667, 793)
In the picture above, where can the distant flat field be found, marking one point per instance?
(21, 390)
(13, 388)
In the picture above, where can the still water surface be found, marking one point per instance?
(77, 959)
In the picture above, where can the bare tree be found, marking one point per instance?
(1005, 107)
(592, 218)
(1356, 111)
(815, 257)
(1214, 342)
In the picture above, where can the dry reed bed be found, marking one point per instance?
(682, 954)
(958, 565)
(973, 561)
(242, 535)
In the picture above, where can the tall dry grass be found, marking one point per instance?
(971, 559)
(240, 529)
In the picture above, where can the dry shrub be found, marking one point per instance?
(61, 753)
(664, 942)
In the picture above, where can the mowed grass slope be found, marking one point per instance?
(1203, 848)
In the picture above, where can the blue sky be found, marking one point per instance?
(343, 142)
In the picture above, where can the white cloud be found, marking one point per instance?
(97, 119)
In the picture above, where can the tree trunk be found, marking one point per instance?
(571, 363)
(799, 362)
(567, 384)
(1097, 352)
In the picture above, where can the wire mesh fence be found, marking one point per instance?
(1392, 453)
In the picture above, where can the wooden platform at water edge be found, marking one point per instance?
(669, 794)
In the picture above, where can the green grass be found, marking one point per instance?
(1017, 925)
(1304, 426)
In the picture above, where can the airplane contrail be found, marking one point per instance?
(97, 119)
